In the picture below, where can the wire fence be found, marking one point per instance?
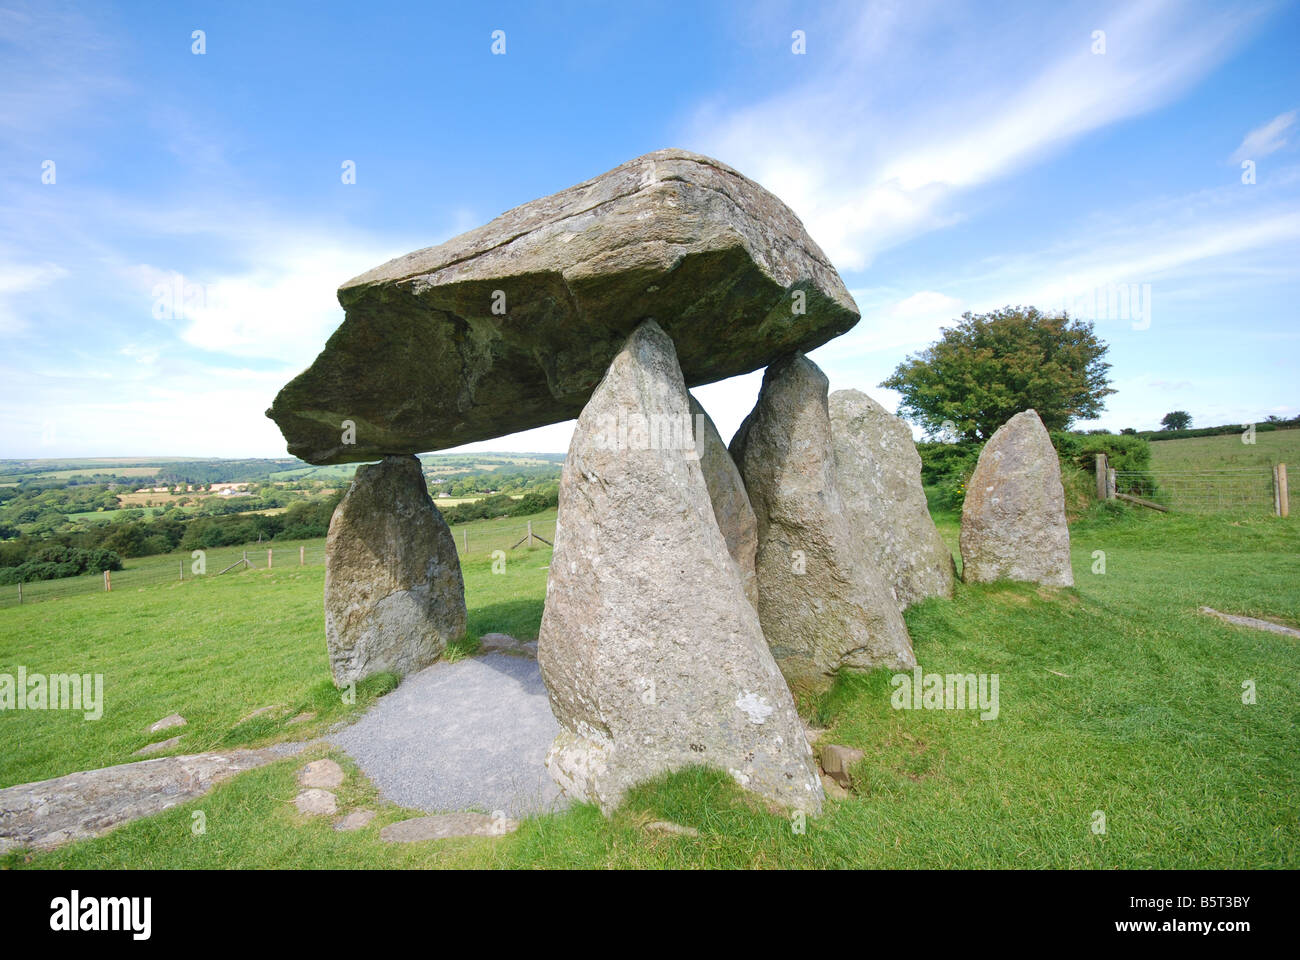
(1233, 489)
(475, 542)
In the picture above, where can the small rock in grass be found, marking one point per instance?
(174, 720)
(321, 773)
(497, 643)
(259, 712)
(355, 820)
(832, 788)
(813, 733)
(444, 825)
(316, 803)
(665, 826)
(158, 747)
(836, 761)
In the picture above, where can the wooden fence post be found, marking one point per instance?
(108, 582)
(181, 564)
(1283, 493)
(20, 593)
(268, 558)
(1111, 486)
(530, 533)
(302, 556)
(1101, 476)
(464, 539)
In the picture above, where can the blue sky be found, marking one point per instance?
(947, 156)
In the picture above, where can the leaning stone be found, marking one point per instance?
(47, 814)
(652, 656)
(836, 761)
(512, 325)
(822, 598)
(730, 502)
(356, 820)
(167, 722)
(878, 472)
(321, 773)
(1013, 519)
(158, 747)
(444, 825)
(394, 596)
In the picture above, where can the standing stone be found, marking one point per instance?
(394, 596)
(653, 659)
(1013, 520)
(822, 599)
(730, 502)
(878, 472)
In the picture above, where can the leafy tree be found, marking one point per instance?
(1177, 420)
(991, 366)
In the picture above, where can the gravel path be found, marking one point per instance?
(470, 735)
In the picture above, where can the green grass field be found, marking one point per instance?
(1228, 450)
(1115, 696)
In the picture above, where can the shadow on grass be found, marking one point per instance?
(522, 619)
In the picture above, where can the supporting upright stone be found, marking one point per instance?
(878, 471)
(652, 656)
(823, 600)
(730, 502)
(394, 596)
(1013, 519)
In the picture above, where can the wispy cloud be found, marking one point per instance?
(878, 144)
(1265, 139)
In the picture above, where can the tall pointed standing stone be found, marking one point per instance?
(730, 502)
(823, 600)
(652, 657)
(1013, 519)
(878, 471)
(394, 596)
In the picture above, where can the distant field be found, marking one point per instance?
(475, 541)
(1223, 473)
(1204, 453)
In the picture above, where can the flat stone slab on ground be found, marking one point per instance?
(167, 722)
(445, 825)
(90, 803)
(455, 736)
(316, 803)
(355, 820)
(158, 747)
(325, 774)
(1252, 622)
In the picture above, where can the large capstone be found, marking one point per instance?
(512, 325)
(822, 598)
(878, 472)
(730, 502)
(1013, 519)
(652, 656)
(394, 596)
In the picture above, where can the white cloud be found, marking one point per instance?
(1264, 140)
(878, 144)
(21, 278)
(283, 307)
